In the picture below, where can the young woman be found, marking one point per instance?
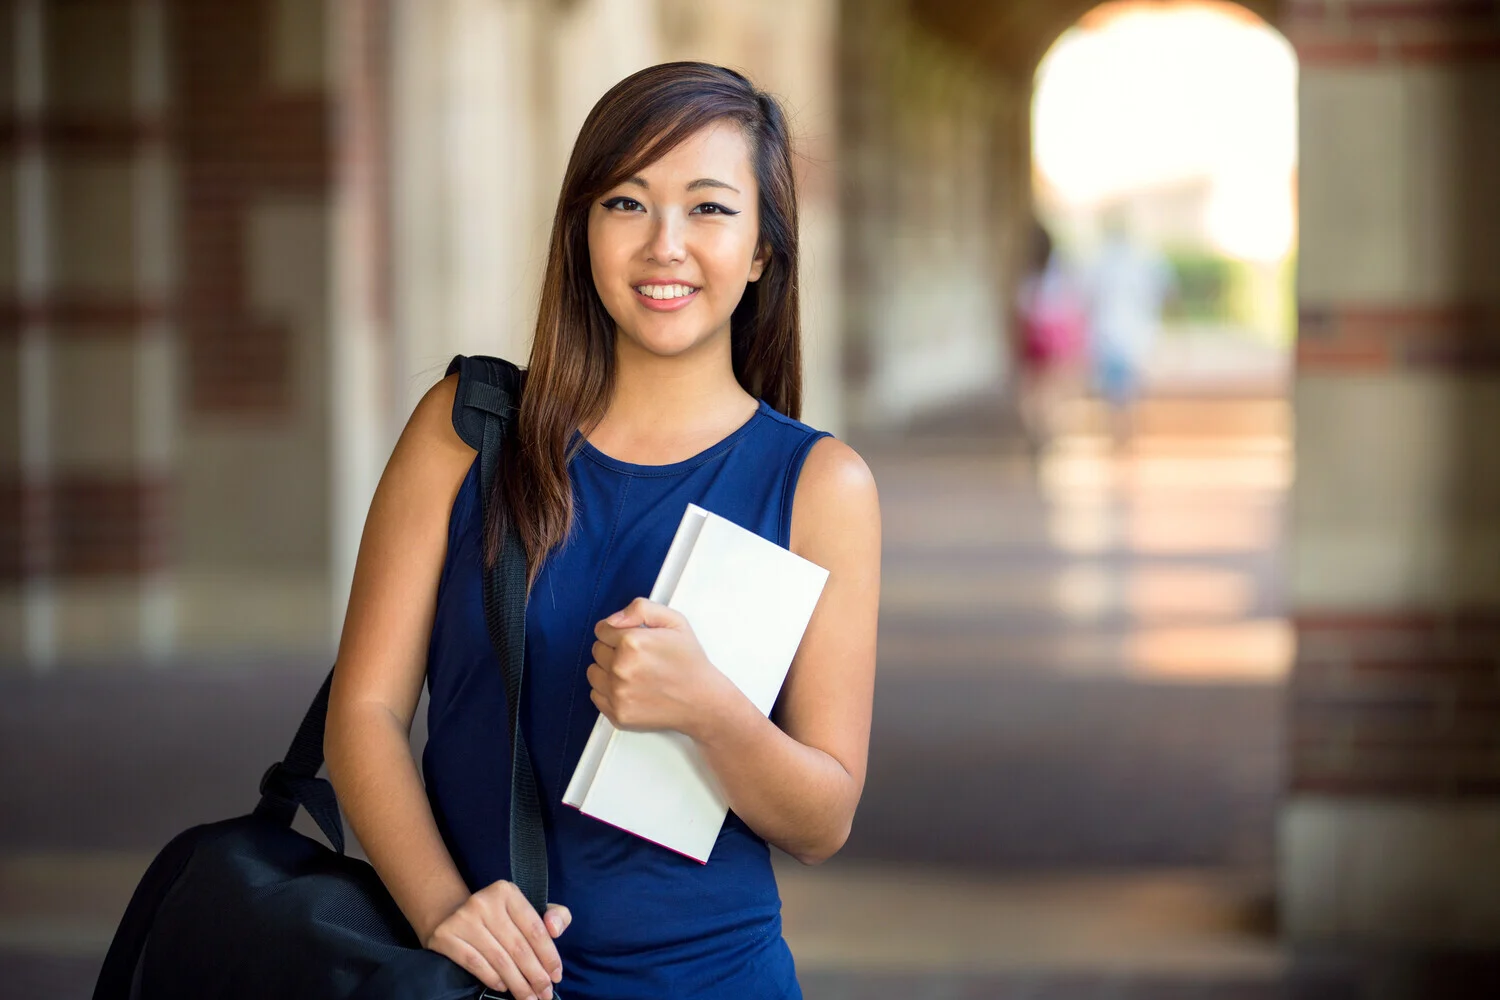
(666, 368)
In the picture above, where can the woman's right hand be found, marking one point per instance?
(497, 935)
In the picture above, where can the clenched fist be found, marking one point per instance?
(649, 672)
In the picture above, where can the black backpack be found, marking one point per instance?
(250, 909)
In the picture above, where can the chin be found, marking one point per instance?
(669, 342)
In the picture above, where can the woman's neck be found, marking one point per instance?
(663, 406)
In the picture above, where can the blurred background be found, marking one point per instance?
(1171, 331)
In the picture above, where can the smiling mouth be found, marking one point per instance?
(665, 293)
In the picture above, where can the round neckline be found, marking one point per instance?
(712, 451)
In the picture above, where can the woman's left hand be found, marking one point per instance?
(656, 677)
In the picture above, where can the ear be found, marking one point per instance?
(758, 265)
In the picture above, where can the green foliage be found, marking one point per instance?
(1205, 285)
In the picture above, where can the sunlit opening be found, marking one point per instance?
(1181, 117)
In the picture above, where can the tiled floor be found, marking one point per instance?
(1081, 658)
(897, 920)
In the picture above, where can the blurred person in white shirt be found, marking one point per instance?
(1126, 287)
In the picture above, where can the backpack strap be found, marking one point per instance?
(294, 781)
(484, 410)
(486, 387)
(489, 393)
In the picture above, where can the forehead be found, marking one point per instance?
(719, 150)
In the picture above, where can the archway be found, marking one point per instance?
(1178, 124)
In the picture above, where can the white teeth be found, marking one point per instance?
(665, 291)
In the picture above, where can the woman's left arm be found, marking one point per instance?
(797, 783)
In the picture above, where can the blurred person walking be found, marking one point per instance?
(1050, 321)
(1126, 286)
(665, 369)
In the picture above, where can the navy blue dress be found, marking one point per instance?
(647, 922)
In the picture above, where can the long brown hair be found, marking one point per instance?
(571, 372)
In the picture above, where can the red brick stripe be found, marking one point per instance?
(108, 527)
(82, 135)
(1364, 12)
(70, 316)
(1362, 32)
(13, 525)
(83, 526)
(1408, 621)
(1352, 337)
(1401, 703)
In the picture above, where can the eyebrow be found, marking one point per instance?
(702, 182)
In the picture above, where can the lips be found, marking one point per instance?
(665, 297)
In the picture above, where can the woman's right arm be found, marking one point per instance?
(381, 664)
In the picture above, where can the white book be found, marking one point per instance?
(748, 601)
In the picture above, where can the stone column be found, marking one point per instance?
(364, 386)
(156, 362)
(923, 121)
(1390, 836)
(470, 220)
(30, 606)
(90, 158)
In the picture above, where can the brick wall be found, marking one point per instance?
(163, 298)
(83, 496)
(241, 138)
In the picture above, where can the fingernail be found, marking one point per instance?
(556, 974)
(547, 993)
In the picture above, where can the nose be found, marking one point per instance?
(666, 245)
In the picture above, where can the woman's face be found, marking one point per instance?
(673, 247)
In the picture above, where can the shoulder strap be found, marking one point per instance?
(485, 386)
(294, 781)
(484, 408)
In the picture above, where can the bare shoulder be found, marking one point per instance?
(836, 496)
(432, 419)
(429, 443)
(426, 467)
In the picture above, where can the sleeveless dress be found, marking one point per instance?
(647, 922)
